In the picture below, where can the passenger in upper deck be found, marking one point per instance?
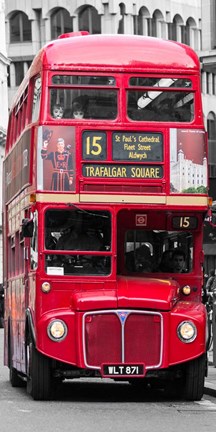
(77, 111)
(80, 107)
(57, 111)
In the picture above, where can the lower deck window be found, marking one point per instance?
(78, 241)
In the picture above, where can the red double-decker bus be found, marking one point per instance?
(105, 193)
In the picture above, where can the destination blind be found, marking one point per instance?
(137, 146)
(122, 171)
(132, 147)
(126, 146)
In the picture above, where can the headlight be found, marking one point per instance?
(46, 287)
(187, 331)
(57, 330)
(186, 290)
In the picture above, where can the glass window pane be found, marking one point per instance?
(88, 104)
(160, 106)
(77, 230)
(19, 72)
(160, 82)
(26, 25)
(158, 251)
(84, 80)
(15, 28)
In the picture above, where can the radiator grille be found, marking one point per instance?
(122, 336)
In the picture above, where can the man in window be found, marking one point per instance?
(178, 261)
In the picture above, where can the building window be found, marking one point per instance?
(207, 82)
(20, 28)
(61, 22)
(213, 84)
(19, 72)
(121, 21)
(89, 20)
(141, 22)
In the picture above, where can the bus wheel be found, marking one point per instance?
(195, 379)
(38, 374)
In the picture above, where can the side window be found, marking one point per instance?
(36, 99)
(34, 243)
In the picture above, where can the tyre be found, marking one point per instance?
(38, 374)
(193, 387)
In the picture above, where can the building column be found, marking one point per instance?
(35, 26)
(178, 32)
(210, 83)
(47, 30)
(12, 76)
(192, 37)
(75, 22)
(128, 24)
(204, 87)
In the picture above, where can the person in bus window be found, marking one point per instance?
(140, 260)
(80, 107)
(77, 111)
(166, 262)
(57, 111)
(178, 261)
(61, 159)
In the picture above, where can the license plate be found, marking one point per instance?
(123, 370)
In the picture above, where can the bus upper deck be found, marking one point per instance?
(141, 128)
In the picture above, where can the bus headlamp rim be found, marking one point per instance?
(182, 331)
(62, 329)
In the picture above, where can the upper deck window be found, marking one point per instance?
(166, 105)
(160, 82)
(83, 80)
(83, 103)
(162, 106)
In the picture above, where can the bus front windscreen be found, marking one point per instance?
(79, 231)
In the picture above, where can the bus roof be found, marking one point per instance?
(112, 53)
(131, 52)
